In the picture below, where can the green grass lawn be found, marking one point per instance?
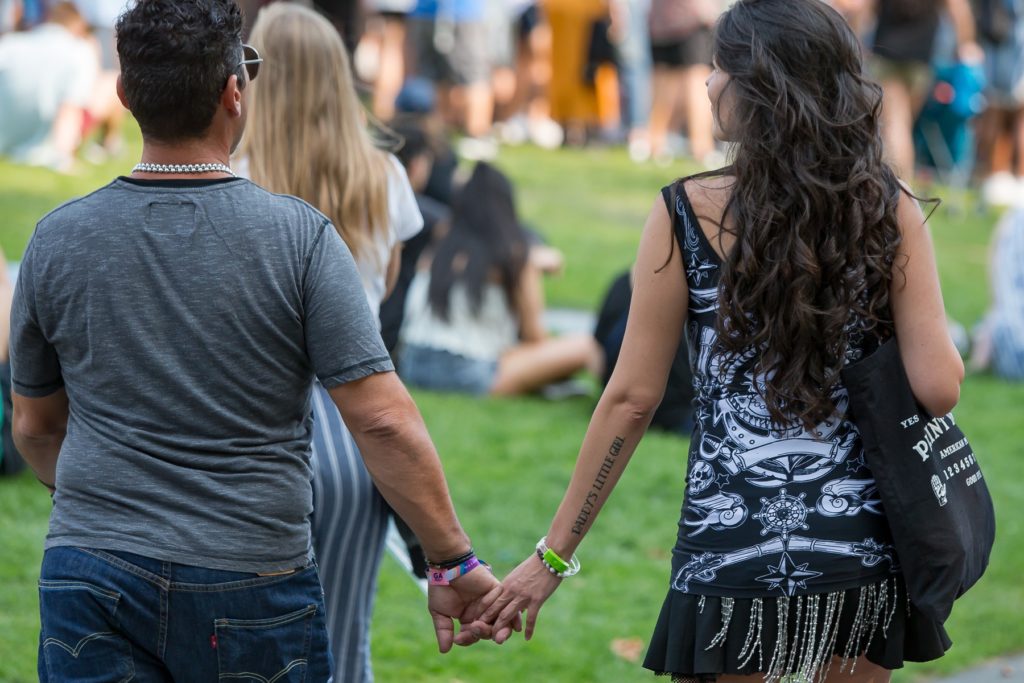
(508, 460)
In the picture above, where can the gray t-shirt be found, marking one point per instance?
(187, 322)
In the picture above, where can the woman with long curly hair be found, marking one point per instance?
(800, 257)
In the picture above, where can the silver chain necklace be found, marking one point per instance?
(182, 168)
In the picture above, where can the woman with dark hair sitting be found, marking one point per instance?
(799, 258)
(473, 312)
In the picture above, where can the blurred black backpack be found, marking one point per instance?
(675, 413)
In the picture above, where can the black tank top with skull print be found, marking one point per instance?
(767, 512)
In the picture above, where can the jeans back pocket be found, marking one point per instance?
(272, 650)
(79, 638)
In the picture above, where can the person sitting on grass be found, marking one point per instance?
(46, 89)
(473, 312)
(999, 342)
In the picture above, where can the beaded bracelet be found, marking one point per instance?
(454, 562)
(555, 564)
(437, 576)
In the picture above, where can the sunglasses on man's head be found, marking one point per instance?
(251, 60)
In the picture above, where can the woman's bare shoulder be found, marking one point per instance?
(709, 195)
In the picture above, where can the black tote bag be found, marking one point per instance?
(935, 497)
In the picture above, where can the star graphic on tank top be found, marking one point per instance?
(699, 268)
(854, 464)
(788, 576)
(703, 414)
(723, 480)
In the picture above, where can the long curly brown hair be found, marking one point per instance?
(813, 206)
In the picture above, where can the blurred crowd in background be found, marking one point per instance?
(563, 72)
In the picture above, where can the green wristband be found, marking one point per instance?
(552, 558)
(555, 564)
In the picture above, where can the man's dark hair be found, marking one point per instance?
(176, 58)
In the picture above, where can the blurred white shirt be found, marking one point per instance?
(41, 70)
(103, 13)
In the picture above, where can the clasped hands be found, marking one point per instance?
(488, 609)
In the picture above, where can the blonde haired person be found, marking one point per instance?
(307, 136)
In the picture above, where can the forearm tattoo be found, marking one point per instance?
(594, 495)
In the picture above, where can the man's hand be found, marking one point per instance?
(465, 599)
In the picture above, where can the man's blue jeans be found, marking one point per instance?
(113, 616)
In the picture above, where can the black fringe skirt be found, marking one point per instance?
(698, 637)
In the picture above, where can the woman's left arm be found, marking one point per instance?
(656, 317)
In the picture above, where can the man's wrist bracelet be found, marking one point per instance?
(555, 564)
(436, 576)
(453, 562)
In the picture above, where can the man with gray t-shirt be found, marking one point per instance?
(166, 330)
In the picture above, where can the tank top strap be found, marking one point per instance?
(700, 261)
(670, 194)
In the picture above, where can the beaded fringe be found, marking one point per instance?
(805, 655)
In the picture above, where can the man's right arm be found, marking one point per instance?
(40, 402)
(402, 460)
(38, 427)
(400, 457)
(349, 357)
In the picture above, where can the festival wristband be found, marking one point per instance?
(453, 562)
(437, 576)
(555, 564)
(552, 559)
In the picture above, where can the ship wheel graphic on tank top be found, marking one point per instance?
(783, 514)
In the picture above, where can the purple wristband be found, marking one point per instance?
(437, 576)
